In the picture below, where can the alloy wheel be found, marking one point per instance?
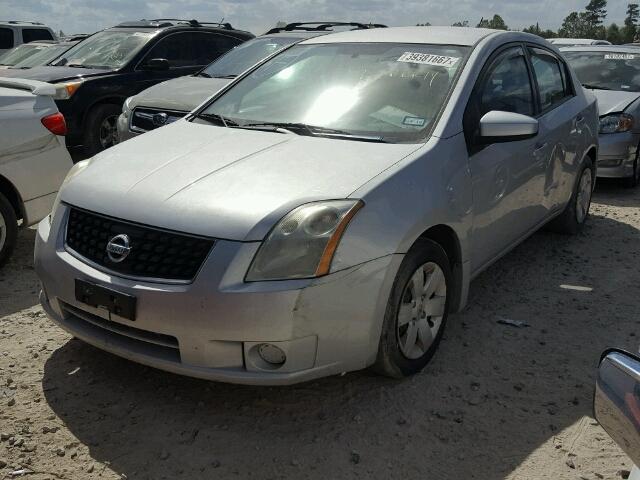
(109, 132)
(583, 198)
(421, 311)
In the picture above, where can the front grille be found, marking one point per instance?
(155, 253)
(145, 119)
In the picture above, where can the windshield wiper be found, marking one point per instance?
(594, 87)
(218, 119)
(77, 65)
(311, 130)
(225, 76)
(203, 74)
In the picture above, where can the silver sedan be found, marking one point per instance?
(612, 73)
(325, 212)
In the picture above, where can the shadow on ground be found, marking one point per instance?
(492, 394)
(19, 285)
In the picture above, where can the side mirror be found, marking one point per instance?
(156, 64)
(497, 126)
(617, 400)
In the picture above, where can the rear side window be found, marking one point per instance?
(191, 49)
(33, 34)
(549, 74)
(507, 86)
(6, 38)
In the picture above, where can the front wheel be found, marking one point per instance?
(101, 131)
(575, 215)
(634, 180)
(416, 312)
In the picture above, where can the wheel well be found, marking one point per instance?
(593, 155)
(118, 101)
(447, 238)
(9, 191)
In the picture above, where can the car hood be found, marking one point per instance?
(221, 182)
(53, 74)
(612, 101)
(181, 94)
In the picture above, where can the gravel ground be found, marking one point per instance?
(497, 402)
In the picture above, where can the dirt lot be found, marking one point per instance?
(497, 401)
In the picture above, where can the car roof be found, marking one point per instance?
(167, 23)
(21, 23)
(603, 48)
(431, 35)
(579, 41)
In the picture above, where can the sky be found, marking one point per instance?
(257, 16)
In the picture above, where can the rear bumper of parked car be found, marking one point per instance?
(213, 327)
(617, 154)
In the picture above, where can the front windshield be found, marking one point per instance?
(606, 70)
(43, 56)
(389, 91)
(109, 49)
(246, 55)
(20, 53)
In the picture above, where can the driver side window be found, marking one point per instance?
(507, 85)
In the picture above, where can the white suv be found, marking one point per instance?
(14, 33)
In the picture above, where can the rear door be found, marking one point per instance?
(559, 137)
(507, 183)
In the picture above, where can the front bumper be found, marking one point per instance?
(211, 328)
(124, 133)
(617, 154)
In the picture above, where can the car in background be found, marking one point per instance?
(169, 101)
(326, 211)
(617, 402)
(94, 77)
(34, 158)
(76, 37)
(612, 74)
(14, 33)
(34, 53)
(572, 42)
(47, 53)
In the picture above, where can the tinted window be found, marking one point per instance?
(191, 49)
(33, 34)
(507, 86)
(246, 55)
(6, 38)
(548, 72)
(606, 70)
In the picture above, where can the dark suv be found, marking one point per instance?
(94, 78)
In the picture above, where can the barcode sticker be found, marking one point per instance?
(428, 59)
(619, 56)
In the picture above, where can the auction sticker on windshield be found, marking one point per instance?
(428, 59)
(619, 56)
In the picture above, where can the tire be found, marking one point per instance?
(101, 130)
(575, 215)
(634, 180)
(406, 316)
(8, 229)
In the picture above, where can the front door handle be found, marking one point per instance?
(539, 147)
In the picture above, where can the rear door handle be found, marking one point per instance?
(579, 119)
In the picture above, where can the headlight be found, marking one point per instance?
(126, 107)
(75, 170)
(303, 243)
(616, 123)
(66, 90)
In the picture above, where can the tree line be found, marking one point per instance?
(588, 23)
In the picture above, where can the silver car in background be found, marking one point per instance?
(33, 158)
(612, 73)
(326, 211)
(169, 101)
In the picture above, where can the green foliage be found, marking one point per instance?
(464, 23)
(496, 23)
(614, 35)
(630, 28)
(574, 26)
(536, 30)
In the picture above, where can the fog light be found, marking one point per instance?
(610, 162)
(271, 354)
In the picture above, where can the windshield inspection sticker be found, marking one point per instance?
(428, 59)
(619, 56)
(414, 121)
